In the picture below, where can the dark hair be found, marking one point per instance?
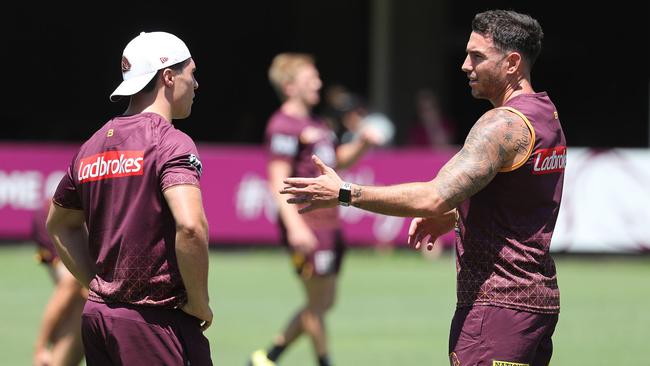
(511, 31)
(176, 67)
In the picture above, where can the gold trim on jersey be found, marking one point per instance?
(530, 145)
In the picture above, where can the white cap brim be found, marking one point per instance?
(132, 85)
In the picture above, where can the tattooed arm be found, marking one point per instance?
(497, 140)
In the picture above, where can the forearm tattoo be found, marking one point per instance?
(356, 193)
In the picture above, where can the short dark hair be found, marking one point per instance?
(176, 67)
(511, 31)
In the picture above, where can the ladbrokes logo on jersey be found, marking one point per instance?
(110, 164)
(549, 160)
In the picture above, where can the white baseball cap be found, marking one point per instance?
(144, 56)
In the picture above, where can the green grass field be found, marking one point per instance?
(392, 309)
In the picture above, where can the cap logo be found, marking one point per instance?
(164, 59)
(126, 65)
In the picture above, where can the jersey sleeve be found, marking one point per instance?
(66, 194)
(282, 140)
(178, 161)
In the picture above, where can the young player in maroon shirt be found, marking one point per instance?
(135, 186)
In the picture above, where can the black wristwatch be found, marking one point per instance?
(345, 194)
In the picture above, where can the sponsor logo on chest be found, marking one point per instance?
(549, 160)
(110, 164)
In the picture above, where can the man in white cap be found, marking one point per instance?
(128, 221)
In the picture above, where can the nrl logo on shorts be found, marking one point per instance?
(196, 163)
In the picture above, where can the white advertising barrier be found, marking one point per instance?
(606, 202)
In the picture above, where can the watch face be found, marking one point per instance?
(345, 195)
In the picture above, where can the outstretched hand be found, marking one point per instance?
(319, 192)
(426, 230)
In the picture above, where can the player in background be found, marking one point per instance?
(58, 342)
(502, 192)
(127, 219)
(314, 241)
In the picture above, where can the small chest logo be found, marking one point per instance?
(110, 164)
(549, 160)
(284, 144)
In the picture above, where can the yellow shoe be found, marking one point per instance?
(258, 358)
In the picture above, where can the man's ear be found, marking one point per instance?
(515, 62)
(288, 89)
(167, 76)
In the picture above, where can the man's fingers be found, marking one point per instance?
(423, 238)
(414, 225)
(416, 234)
(414, 240)
(298, 199)
(307, 209)
(419, 235)
(319, 164)
(292, 190)
(298, 182)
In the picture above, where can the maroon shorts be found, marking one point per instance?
(326, 258)
(494, 336)
(119, 334)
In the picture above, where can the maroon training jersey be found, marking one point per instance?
(295, 140)
(117, 178)
(505, 229)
